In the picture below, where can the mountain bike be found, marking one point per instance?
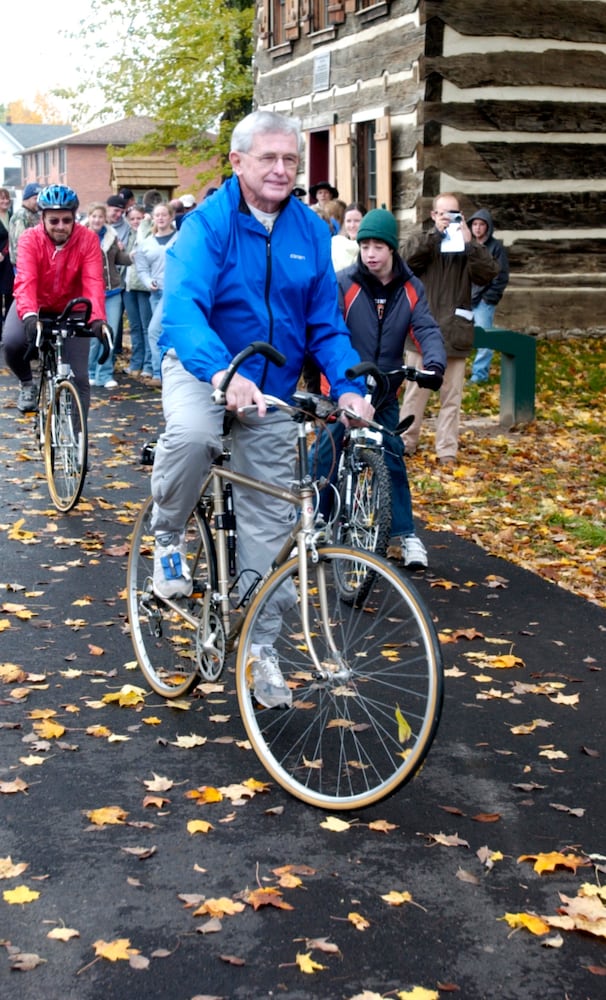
(61, 422)
(366, 675)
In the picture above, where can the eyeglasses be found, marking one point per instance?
(269, 160)
(65, 220)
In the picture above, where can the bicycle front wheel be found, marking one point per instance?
(365, 711)
(176, 646)
(65, 447)
(364, 516)
(44, 409)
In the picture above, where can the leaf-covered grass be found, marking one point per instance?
(535, 495)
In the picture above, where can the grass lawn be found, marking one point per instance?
(535, 495)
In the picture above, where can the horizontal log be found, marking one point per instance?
(552, 68)
(536, 210)
(539, 257)
(565, 20)
(553, 311)
(517, 116)
(482, 161)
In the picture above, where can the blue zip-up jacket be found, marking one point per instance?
(229, 282)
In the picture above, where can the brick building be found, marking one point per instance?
(82, 160)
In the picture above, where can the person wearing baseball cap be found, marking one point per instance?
(382, 302)
(23, 218)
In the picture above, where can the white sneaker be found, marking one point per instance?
(111, 384)
(172, 577)
(26, 400)
(270, 688)
(414, 553)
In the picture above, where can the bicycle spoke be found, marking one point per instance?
(172, 640)
(65, 447)
(364, 716)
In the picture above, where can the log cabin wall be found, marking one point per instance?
(503, 102)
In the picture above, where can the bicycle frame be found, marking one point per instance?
(304, 537)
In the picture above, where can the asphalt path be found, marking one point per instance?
(447, 845)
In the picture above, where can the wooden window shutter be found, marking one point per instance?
(383, 148)
(264, 23)
(291, 19)
(343, 162)
(336, 11)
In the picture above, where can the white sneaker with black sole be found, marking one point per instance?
(269, 687)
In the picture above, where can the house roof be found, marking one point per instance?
(31, 135)
(119, 133)
(143, 171)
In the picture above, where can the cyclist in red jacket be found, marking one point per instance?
(59, 260)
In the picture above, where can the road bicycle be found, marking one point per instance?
(361, 503)
(366, 675)
(61, 421)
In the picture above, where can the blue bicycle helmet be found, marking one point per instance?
(58, 196)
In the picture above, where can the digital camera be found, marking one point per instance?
(455, 216)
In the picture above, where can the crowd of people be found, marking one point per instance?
(131, 238)
(327, 287)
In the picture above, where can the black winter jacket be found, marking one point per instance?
(380, 317)
(493, 291)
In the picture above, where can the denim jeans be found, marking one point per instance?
(321, 458)
(139, 312)
(100, 374)
(153, 333)
(483, 315)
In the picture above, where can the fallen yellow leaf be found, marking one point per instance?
(198, 826)
(20, 894)
(115, 950)
(107, 815)
(307, 964)
(528, 920)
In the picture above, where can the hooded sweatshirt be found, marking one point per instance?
(493, 291)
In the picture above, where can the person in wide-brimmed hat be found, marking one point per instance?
(323, 191)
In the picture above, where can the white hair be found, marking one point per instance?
(262, 123)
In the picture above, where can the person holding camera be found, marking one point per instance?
(448, 261)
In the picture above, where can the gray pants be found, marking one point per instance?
(260, 447)
(75, 352)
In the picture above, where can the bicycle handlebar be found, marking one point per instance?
(74, 321)
(257, 347)
(404, 373)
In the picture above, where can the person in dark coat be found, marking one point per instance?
(382, 303)
(485, 298)
(7, 275)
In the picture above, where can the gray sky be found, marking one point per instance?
(48, 60)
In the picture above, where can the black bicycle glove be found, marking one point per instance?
(102, 332)
(30, 325)
(433, 380)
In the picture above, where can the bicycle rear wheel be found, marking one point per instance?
(65, 447)
(363, 721)
(364, 517)
(170, 642)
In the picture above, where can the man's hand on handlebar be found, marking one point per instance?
(30, 326)
(241, 392)
(102, 332)
(359, 405)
